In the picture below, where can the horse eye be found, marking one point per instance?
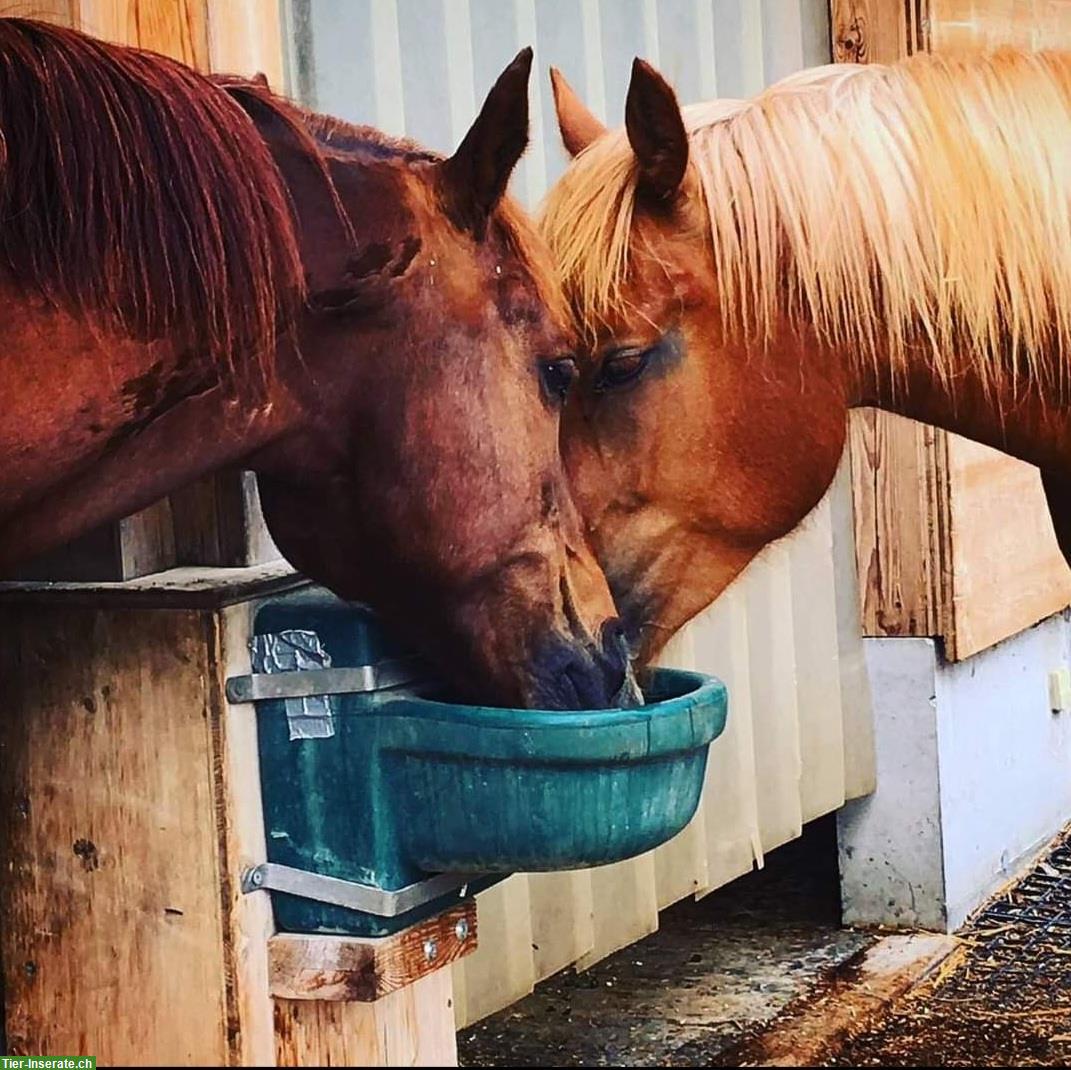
(622, 367)
(558, 375)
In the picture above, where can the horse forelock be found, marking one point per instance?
(138, 193)
(924, 204)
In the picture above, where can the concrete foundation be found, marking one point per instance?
(974, 776)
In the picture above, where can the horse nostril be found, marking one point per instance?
(571, 675)
(615, 642)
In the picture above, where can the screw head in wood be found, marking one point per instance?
(461, 929)
(431, 950)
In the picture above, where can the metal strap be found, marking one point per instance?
(305, 683)
(274, 877)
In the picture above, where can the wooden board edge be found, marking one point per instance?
(352, 969)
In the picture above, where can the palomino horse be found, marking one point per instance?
(198, 274)
(746, 271)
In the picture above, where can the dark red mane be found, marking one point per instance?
(137, 192)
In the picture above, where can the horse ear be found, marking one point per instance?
(261, 79)
(655, 131)
(578, 126)
(475, 177)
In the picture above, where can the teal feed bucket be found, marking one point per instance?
(387, 787)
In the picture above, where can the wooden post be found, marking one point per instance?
(131, 807)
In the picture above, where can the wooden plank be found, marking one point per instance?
(872, 31)
(62, 12)
(305, 966)
(411, 1027)
(247, 919)
(246, 38)
(177, 28)
(110, 885)
(179, 588)
(901, 491)
(1028, 24)
(218, 522)
(814, 1028)
(899, 482)
(1009, 571)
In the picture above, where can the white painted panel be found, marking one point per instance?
(817, 645)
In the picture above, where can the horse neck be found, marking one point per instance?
(94, 427)
(1029, 419)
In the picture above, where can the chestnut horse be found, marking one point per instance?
(746, 271)
(198, 274)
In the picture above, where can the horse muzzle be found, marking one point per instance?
(572, 675)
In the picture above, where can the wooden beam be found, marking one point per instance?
(109, 884)
(901, 492)
(1008, 567)
(411, 1027)
(347, 968)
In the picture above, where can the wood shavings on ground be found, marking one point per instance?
(1004, 999)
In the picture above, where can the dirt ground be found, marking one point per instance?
(714, 972)
(725, 976)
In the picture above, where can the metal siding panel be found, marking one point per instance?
(495, 42)
(680, 53)
(730, 794)
(622, 40)
(625, 897)
(387, 65)
(595, 87)
(560, 40)
(821, 720)
(774, 696)
(860, 777)
(332, 58)
(782, 39)
(704, 37)
(459, 71)
(563, 912)
(425, 79)
(738, 47)
(530, 178)
(817, 42)
(500, 971)
(681, 865)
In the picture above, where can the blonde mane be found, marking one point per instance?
(922, 204)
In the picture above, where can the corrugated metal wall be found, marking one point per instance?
(786, 638)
